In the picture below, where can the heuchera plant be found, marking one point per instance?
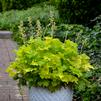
(49, 63)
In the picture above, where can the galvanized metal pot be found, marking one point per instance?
(42, 94)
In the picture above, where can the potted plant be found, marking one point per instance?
(47, 65)
(49, 68)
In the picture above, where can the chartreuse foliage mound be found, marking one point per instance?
(47, 62)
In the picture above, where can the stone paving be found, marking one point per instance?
(9, 90)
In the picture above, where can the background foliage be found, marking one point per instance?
(12, 18)
(17, 4)
(79, 11)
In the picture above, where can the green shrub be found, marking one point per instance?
(6, 4)
(49, 63)
(91, 45)
(18, 4)
(90, 91)
(70, 31)
(11, 18)
(23, 4)
(79, 12)
(54, 2)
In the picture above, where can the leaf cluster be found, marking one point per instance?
(49, 63)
